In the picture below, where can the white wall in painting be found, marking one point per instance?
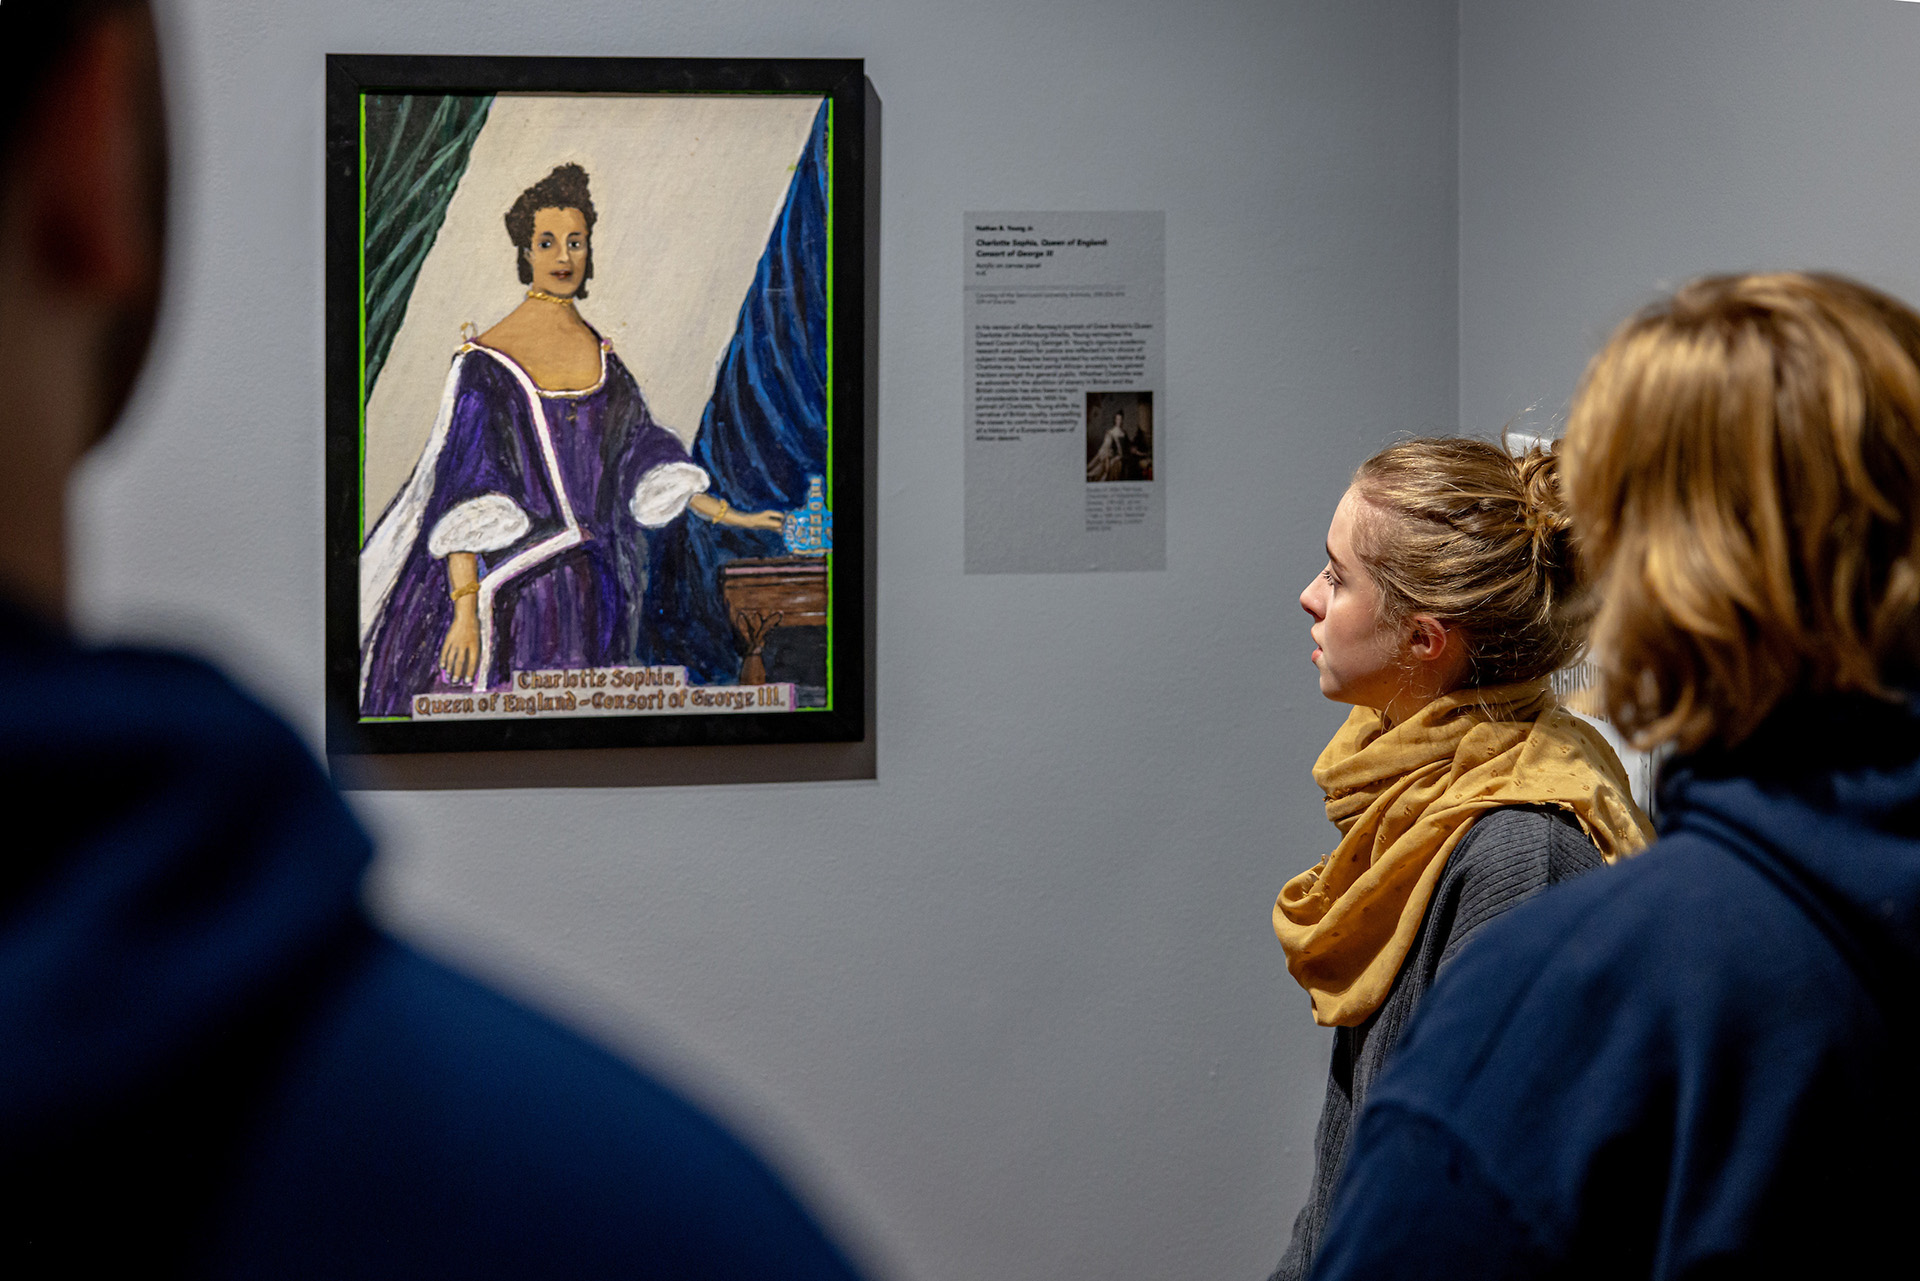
(686, 189)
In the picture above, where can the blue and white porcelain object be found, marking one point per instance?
(809, 531)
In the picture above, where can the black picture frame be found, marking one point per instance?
(351, 80)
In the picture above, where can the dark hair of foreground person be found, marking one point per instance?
(1696, 1063)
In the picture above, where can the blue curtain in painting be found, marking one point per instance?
(763, 434)
(417, 150)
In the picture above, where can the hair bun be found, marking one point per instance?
(1544, 510)
(1478, 537)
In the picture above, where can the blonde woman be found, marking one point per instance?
(1702, 1065)
(1458, 786)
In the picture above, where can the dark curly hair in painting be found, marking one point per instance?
(564, 188)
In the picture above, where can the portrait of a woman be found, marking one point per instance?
(519, 541)
(1125, 454)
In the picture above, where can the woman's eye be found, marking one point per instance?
(1328, 575)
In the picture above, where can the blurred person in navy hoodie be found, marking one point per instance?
(1699, 1063)
(211, 1063)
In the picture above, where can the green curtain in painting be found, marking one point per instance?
(416, 151)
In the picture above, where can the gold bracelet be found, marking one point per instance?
(725, 507)
(468, 589)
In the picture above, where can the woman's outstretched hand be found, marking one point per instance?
(720, 512)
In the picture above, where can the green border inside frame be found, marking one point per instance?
(361, 309)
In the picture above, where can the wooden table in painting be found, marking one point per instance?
(780, 591)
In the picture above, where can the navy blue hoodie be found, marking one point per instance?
(1696, 1063)
(211, 1064)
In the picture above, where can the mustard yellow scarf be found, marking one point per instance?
(1402, 799)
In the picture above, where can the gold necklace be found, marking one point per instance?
(544, 296)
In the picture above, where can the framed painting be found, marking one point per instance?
(595, 456)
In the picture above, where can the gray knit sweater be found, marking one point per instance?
(1506, 856)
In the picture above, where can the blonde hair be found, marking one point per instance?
(1466, 532)
(1743, 466)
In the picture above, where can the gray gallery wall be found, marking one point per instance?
(1012, 1009)
(1610, 148)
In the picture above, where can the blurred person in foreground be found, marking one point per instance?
(211, 1063)
(1698, 1063)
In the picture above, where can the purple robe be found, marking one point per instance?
(552, 492)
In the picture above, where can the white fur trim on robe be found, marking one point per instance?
(392, 540)
(483, 524)
(663, 492)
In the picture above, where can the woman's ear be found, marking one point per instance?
(1440, 658)
(1432, 640)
